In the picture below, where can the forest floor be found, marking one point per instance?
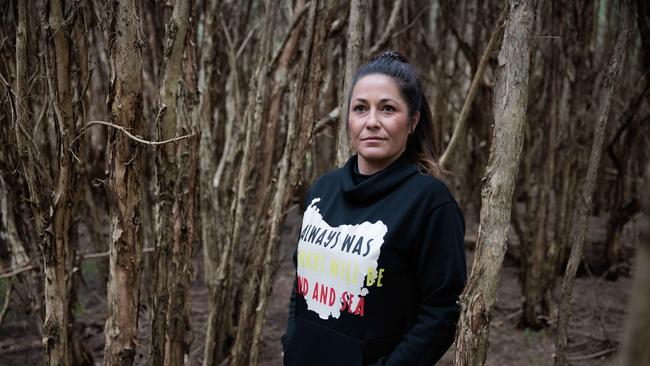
(598, 312)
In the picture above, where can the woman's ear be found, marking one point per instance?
(414, 121)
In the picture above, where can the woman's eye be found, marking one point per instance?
(359, 108)
(388, 108)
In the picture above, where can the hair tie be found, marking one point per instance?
(391, 55)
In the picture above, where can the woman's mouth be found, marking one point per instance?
(373, 138)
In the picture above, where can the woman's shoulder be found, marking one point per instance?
(332, 175)
(326, 181)
(432, 190)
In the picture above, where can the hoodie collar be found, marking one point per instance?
(377, 185)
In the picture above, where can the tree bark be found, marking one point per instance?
(611, 81)
(353, 54)
(125, 161)
(171, 265)
(299, 133)
(510, 103)
(241, 351)
(212, 83)
(56, 249)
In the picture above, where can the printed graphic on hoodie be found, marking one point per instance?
(337, 266)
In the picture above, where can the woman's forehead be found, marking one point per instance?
(376, 86)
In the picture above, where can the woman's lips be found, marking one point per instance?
(373, 139)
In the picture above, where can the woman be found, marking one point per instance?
(380, 260)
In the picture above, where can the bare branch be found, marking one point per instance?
(135, 138)
(392, 22)
(461, 122)
(16, 271)
(294, 23)
(5, 307)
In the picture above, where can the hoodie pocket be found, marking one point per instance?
(315, 345)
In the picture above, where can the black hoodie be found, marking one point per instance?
(380, 265)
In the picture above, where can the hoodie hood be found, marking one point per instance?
(376, 185)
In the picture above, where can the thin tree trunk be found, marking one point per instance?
(32, 171)
(125, 162)
(539, 255)
(461, 123)
(57, 250)
(387, 29)
(510, 104)
(353, 54)
(211, 76)
(221, 285)
(240, 352)
(164, 345)
(299, 132)
(281, 80)
(636, 337)
(610, 84)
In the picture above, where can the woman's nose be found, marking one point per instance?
(373, 119)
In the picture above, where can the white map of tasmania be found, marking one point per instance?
(337, 265)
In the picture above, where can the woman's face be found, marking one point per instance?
(379, 122)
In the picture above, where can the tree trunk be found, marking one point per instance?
(171, 264)
(299, 133)
(36, 179)
(240, 351)
(212, 83)
(353, 54)
(125, 162)
(636, 337)
(57, 249)
(610, 83)
(511, 100)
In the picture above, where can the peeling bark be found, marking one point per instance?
(171, 263)
(124, 188)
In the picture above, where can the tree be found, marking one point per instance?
(510, 103)
(174, 195)
(125, 159)
(353, 53)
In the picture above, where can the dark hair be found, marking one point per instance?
(420, 146)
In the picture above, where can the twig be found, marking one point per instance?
(294, 23)
(106, 254)
(16, 271)
(461, 123)
(331, 117)
(392, 21)
(135, 138)
(593, 355)
(248, 37)
(5, 308)
(408, 26)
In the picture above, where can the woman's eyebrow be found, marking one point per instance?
(383, 100)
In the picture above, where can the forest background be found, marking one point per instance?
(154, 154)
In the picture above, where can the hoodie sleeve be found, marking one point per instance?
(441, 275)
